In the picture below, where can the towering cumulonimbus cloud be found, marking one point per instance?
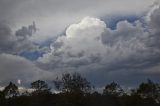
(91, 41)
(91, 47)
(80, 42)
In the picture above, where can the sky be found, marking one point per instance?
(104, 40)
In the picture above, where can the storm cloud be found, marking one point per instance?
(16, 42)
(91, 47)
(71, 36)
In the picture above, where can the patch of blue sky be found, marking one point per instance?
(113, 20)
(36, 54)
(31, 55)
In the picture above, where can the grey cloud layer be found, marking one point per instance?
(13, 68)
(53, 16)
(21, 8)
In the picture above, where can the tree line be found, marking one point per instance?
(75, 90)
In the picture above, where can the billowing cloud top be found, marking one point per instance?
(128, 53)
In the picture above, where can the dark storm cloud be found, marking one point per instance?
(15, 43)
(154, 25)
(26, 31)
(13, 68)
(6, 38)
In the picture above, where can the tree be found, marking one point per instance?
(72, 83)
(11, 90)
(113, 89)
(40, 87)
(149, 90)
